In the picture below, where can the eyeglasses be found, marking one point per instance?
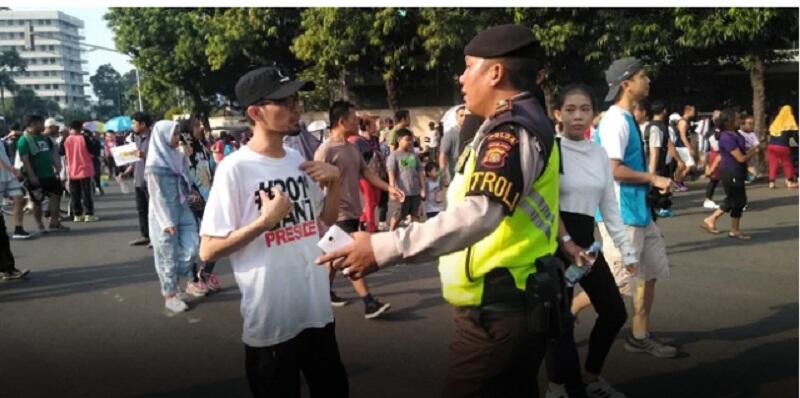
(288, 102)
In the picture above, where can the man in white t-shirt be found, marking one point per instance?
(264, 211)
(618, 134)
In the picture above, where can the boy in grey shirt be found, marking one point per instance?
(407, 174)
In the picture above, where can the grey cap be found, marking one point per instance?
(619, 71)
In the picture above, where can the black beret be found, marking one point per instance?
(502, 41)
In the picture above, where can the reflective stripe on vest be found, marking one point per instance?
(522, 237)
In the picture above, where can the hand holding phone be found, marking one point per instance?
(334, 239)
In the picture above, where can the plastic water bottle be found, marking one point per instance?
(574, 273)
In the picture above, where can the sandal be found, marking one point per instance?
(739, 236)
(708, 228)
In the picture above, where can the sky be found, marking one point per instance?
(96, 32)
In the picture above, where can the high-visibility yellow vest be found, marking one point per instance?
(527, 234)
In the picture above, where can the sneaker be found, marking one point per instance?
(13, 274)
(555, 391)
(337, 301)
(211, 280)
(375, 308)
(651, 346)
(196, 289)
(601, 389)
(175, 305)
(90, 218)
(77, 219)
(20, 233)
(710, 204)
(680, 187)
(664, 213)
(58, 228)
(382, 226)
(139, 242)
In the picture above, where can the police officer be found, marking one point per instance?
(498, 235)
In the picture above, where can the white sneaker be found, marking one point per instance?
(710, 204)
(175, 305)
(601, 389)
(555, 391)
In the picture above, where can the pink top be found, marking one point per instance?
(79, 160)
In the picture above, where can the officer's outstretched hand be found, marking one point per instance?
(356, 260)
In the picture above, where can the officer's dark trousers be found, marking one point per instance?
(492, 354)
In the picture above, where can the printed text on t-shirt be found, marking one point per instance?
(301, 221)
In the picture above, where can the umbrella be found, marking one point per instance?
(94, 126)
(119, 124)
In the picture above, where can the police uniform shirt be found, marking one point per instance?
(508, 160)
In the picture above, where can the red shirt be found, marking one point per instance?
(79, 160)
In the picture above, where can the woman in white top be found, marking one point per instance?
(586, 185)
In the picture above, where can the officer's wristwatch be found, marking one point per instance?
(566, 238)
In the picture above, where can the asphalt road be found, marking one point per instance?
(89, 321)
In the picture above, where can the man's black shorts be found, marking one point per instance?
(50, 186)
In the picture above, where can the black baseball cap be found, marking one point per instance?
(267, 83)
(619, 71)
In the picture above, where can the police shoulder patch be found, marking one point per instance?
(497, 147)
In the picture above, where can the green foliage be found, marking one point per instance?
(110, 86)
(380, 41)
(738, 33)
(10, 63)
(201, 51)
(26, 102)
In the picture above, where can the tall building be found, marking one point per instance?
(55, 67)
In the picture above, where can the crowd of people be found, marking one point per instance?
(505, 198)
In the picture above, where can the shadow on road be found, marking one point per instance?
(67, 281)
(237, 387)
(760, 236)
(741, 376)
(782, 318)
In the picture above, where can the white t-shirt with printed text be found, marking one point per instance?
(283, 290)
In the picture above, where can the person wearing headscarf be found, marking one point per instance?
(173, 230)
(782, 141)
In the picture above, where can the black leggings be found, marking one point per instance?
(562, 361)
(710, 188)
(735, 195)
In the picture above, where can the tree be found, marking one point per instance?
(10, 64)
(167, 44)
(108, 86)
(749, 37)
(208, 48)
(26, 102)
(378, 40)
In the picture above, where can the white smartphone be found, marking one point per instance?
(334, 239)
